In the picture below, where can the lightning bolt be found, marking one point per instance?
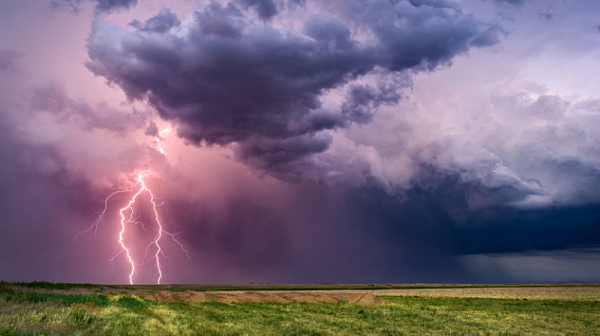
(128, 218)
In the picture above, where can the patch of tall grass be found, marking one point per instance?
(64, 299)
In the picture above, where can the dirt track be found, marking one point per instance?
(259, 297)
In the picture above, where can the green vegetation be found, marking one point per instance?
(25, 310)
(46, 285)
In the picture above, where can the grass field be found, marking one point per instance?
(418, 309)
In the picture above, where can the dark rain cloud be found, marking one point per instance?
(227, 79)
(430, 225)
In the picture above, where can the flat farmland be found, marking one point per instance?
(573, 292)
(42, 308)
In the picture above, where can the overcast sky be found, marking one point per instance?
(301, 141)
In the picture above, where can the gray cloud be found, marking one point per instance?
(228, 79)
(161, 23)
(523, 147)
(52, 98)
(554, 142)
(265, 9)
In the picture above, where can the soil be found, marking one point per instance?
(260, 297)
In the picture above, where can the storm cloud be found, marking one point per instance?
(225, 78)
(266, 9)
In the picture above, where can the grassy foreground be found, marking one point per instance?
(58, 309)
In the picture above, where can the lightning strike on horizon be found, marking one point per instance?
(131, 219)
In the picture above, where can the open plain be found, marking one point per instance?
(42, 308)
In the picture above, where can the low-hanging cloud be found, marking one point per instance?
(226, 78)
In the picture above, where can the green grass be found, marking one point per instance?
(47, 285)
(32, 313)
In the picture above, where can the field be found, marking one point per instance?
(42, 308)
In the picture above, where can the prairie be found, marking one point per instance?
(42, 308)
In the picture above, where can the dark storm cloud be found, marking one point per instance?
(512, 230)
(425, 35)
(160, 23)
(102, 6)
(430, 227)
(273, 153)
(458, 193)
(265, 9)
(110, 5)
(7, 59)
(363, 100)
(228, 79)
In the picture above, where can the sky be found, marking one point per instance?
(300, 141)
